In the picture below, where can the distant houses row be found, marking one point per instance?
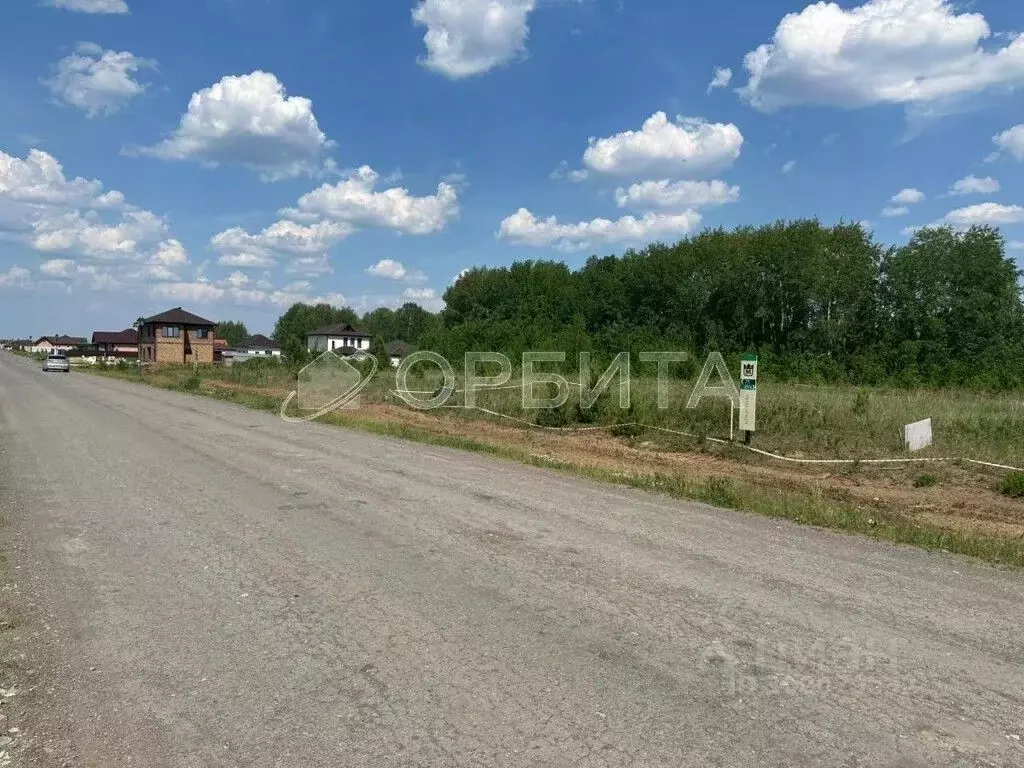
(179, 336)
(174, 336)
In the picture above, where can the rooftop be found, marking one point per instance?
(341, 329)
(178, 316)
(127, 336)
(259, 341)
(61, 339)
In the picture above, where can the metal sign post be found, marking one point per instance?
(748, 395)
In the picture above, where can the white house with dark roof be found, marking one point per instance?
(255, 346)
(258, 345)
(343, 339)
(58, 343)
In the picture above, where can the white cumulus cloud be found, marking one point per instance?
(720, 79)
(73, 220)
(15, 277)
(425, 297)
(523, 228)
(248, 120)
(908, 196)
(394, 270)
(97, 81)
(88, 234)
(679, 194)
(171, 253)
(91, 6)
(247, 260)
(788, 166)
(356, 201)
(471, 37)
(691, 146)
(1011, 141)
(238, 248)
(910, 52)
(992, 214)
(972, 185)
(39, 179)
(58, 268)
(892, 211)
(237, 288)
(310, 266)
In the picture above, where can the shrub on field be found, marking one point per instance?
(720, 491)
(562, 416)
(861, 402)
(1013, 485)
(585, 415)
(192, 382)
(925, 481)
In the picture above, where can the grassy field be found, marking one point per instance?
(795, 420)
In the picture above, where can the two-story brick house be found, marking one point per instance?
(176, 336)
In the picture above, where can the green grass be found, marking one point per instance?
(925, 481)
(1013, 485)
(822, 422)
(812, 507)
(792, 419)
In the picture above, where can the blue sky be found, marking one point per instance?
(234, 156)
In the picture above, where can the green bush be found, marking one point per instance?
(720, 491)
(1013, 485)
(192, 382)
(627, 429)
(585, 415)
(562, 416)
(925, 481)
(861, 402)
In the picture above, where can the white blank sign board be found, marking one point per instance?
(918, 435)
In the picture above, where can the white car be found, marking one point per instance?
(56, 361)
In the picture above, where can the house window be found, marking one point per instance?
(203, 333)
(172, 331)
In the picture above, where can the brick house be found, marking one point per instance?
(176, 336)
(120, 344)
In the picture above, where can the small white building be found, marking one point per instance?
(397, 351)
(256, 346)
(343, 339)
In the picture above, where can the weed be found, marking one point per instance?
(585, 415)
(192, 382)
(1013, 485)
(559, 417)
(861, 402)
(627, 429)
(720, 491)
(925, 481)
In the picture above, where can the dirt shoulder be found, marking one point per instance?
(959, 498)
(962, 498)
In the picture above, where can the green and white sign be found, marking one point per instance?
(748, 392)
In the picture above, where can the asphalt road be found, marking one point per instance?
(204, 585)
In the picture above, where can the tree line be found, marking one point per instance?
(817, 303)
